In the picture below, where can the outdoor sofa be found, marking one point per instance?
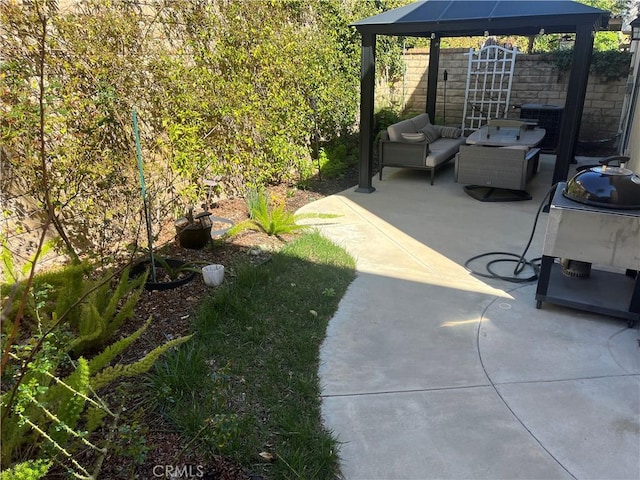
(416, 143)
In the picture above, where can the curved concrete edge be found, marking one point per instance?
(415, 368)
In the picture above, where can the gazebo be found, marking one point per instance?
(436, 19)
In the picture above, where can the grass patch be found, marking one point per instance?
(246, 386)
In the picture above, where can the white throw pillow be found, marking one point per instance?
(414, 137)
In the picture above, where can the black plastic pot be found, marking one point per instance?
(185, 276)
(606, 186)
(194, 232)
(194, 237)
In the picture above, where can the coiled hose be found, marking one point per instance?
(520, 260)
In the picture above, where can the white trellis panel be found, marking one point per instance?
(489, 79)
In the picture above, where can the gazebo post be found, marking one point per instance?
(432, 78)
(574, 103)
(367, 86)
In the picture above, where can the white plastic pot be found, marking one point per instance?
(213, 275)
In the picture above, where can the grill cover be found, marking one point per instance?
(605, 186)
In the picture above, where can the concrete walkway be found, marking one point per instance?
(430, 372)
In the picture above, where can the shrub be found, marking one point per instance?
(58, 361)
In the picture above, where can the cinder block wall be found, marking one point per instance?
(535, 81)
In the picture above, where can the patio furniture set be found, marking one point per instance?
(500, 156)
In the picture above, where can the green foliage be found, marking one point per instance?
(93, 309)
(221, 92)
(110, 374)
(331, 166)
(85, 134)
(53, 293)
(132, 442)
(104, 310)
(616, 7)
(248, 98)
(336, 157)
(272, 220)
(385, 117)
(610, 64)
(29, 470)
(191, 156)
(603, 41)
(41, 412)
(70, 398)
(11, 273)
(100, 361)
(19, 403)
(190, 392)
(562, 59)
(48, 396)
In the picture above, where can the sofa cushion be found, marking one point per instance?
(420, 121)
(410, 125)
(396, 130)
(431, 134)
(442, 150)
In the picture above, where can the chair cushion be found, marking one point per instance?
(442, 150)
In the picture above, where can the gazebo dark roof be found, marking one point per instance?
(470, 18)
(458, 18)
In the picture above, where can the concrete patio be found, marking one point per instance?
(431, 372)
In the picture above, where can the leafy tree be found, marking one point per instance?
(603, 40)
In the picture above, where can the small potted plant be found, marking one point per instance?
(194, 231)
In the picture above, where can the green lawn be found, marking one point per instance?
(246, 386)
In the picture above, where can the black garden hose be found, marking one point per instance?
(521, 262)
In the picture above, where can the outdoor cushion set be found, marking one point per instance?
(417, 143)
